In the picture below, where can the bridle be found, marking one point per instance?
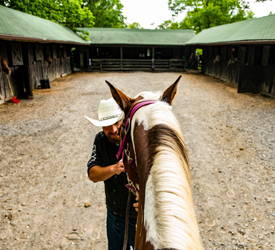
(124, 153)
(124, 149)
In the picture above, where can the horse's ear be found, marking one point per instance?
(123, 101)
(170, 93)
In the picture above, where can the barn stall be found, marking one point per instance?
(33, 52)
(114, 49)
(242, 53)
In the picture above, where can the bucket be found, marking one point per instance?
(45, 83)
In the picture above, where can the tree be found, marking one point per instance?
(203, 14)
(170, 24)
(107, 13)
(134, 25)
(68, 13)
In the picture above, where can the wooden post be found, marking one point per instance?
(2, 82)
(121, 58)
(88, 56)
(251, 51)
(30, 69)
(153, 59)
(266, 54)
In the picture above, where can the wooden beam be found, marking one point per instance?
(121, 58)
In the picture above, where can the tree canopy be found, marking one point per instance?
(134, 25)
(73, 13)
(107, 13)
(69, 13)
(203, 14)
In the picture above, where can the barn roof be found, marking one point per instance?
(20, 26)
(115, 36)
(256, 30)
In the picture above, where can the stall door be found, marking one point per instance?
(250, 78)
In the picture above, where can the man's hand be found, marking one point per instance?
(135, 205)
(118, 168)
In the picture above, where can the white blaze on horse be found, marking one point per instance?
(156, 162)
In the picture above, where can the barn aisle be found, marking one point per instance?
(48, 202)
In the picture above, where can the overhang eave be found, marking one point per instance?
(244, 42)
(38, 40)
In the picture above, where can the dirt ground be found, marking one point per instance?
(46, 142)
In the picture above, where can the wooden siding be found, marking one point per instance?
(250, 67)
(28, 66)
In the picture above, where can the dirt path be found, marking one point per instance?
(46, 142)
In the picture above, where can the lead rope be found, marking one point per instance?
(126, 230)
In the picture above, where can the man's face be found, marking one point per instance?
(112, 132)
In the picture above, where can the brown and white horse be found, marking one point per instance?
(166, 218)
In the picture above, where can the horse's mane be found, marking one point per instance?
(168, 211)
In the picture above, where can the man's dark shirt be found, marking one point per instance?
(103, 155)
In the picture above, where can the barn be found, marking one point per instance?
(114, 49)
(242, 53)
(33, 52)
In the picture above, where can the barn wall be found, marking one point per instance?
(221, 62)
(29, 64)
(250, 67)
(268, 61)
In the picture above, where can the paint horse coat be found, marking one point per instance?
(166, 218)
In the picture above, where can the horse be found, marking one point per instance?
(156, 163)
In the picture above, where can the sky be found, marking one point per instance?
(148, 12)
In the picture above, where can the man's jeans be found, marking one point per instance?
(115, 231)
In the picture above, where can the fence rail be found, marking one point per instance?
(137, 64)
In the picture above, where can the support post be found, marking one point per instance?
(121, 58)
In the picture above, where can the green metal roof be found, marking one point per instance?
(113, 36)
(256, 30)
(19, 26)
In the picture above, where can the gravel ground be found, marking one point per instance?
(46, 142)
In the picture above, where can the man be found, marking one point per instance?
(104, 166)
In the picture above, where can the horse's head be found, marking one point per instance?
(127, 104)
(48, 59)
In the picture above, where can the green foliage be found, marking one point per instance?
(199, 52)
(84, 34)
(107, 13)
(134, 26)
(68, 13)
(203, 14)
(170, 24)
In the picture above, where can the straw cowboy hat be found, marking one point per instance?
(108, 113)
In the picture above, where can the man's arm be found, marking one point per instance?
(98, 173)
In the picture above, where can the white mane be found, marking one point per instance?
(147, 95)
(169, 216)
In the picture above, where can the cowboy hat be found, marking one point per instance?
(108, 113)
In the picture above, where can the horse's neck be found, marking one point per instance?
(159, 211)
(140, 136)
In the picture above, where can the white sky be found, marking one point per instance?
(146, 12)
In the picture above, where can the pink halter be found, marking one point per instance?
(126, 136)
(124, 146)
